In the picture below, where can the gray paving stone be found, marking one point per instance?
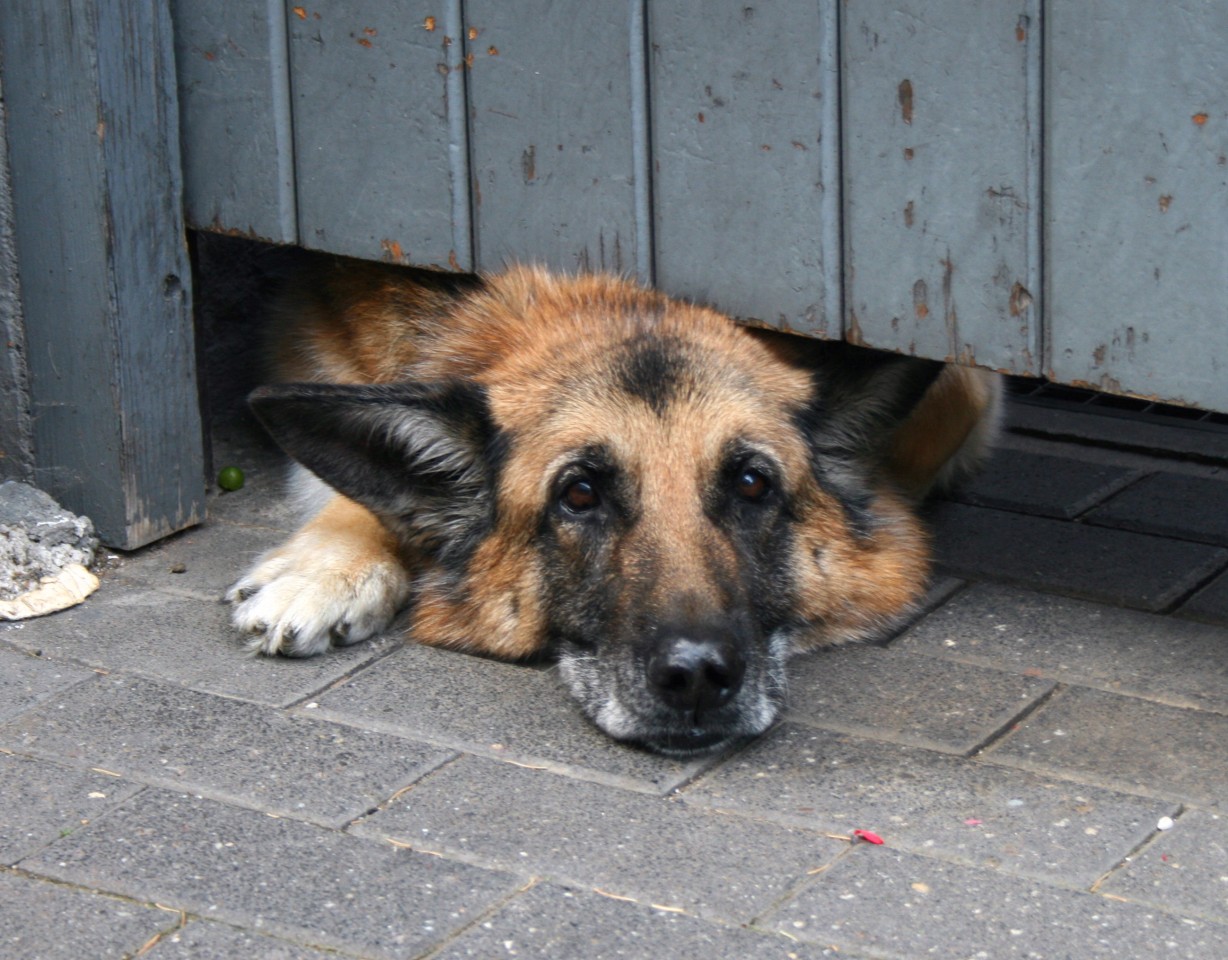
(1210, 603)
(1125, 743)
(202, 562)
(50, 922)
(494, 709)
(254, 755)
(554, 922)
(971, 812)
(1043, 484)
(1170, 505)
(888, 694)
(182, 640)
(652, 849)
(1184, 870)
(283, 877)
(890, 903)
(26, 680)
(206, 940)
(41, 802)
(1096, 563)
(1123, 651)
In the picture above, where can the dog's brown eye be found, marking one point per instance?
(752, 485)
(580, 496)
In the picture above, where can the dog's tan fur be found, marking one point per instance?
(542, 350)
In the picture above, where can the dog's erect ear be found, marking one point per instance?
(422, 457)
(861, 396)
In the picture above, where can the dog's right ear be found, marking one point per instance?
(422, 457)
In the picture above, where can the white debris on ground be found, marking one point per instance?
(44, 554)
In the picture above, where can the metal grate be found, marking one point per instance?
(1042, 393)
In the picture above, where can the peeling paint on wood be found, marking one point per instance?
(942, 121)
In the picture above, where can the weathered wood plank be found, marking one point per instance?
(379, 129)
(93, 141)
(942, 178)
(16, 437)
(234, 100)
(552, 134)
(1137, 198)
(746, 178)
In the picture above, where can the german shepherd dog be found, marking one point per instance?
(667, 502)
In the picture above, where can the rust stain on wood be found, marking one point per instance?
(905, 97)
(920, 296)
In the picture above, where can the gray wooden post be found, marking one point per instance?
(92, 134)
(16, 445)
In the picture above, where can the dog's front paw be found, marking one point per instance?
(300, 602)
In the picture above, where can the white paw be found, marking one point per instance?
(299, 602)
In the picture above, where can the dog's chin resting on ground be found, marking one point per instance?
(669, 503)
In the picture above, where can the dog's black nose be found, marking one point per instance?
(696, 674)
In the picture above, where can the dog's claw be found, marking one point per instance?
(340, 633)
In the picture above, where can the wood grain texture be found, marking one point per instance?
(234, 99)
(942, 179)
(746, 185)
(1137, 199)
(552, 134)
(16, 432)
(380, 155)
(93, 142)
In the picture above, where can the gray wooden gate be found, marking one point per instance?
(1040, 188)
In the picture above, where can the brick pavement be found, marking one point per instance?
(1021, 747)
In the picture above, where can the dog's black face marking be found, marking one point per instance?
(653, 369)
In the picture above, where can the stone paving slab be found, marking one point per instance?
(1122, 651)
(202, 562)
(919, 800)
(1043, 484)
(1210, 603)
(288, 878)
(40, 802)
(554, 923)
(50, 922)
(494, 709)
(205, 940)
(1124, 743)
(1170, 505)
(651, 849)
(227, 749)
(1095, 563)
(889, 694)
(1184, 870)
(26, 680)
(182, 640)
(889, 903)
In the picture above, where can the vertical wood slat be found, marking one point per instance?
(16, 435)
(378, 108)
(93, 143)
(746, 180)
(1137, 198)
(553, 135)
(234, 100)
(942, 179)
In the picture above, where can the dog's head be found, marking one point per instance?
(669, 503)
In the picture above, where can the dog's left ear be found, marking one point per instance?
(422, 457)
